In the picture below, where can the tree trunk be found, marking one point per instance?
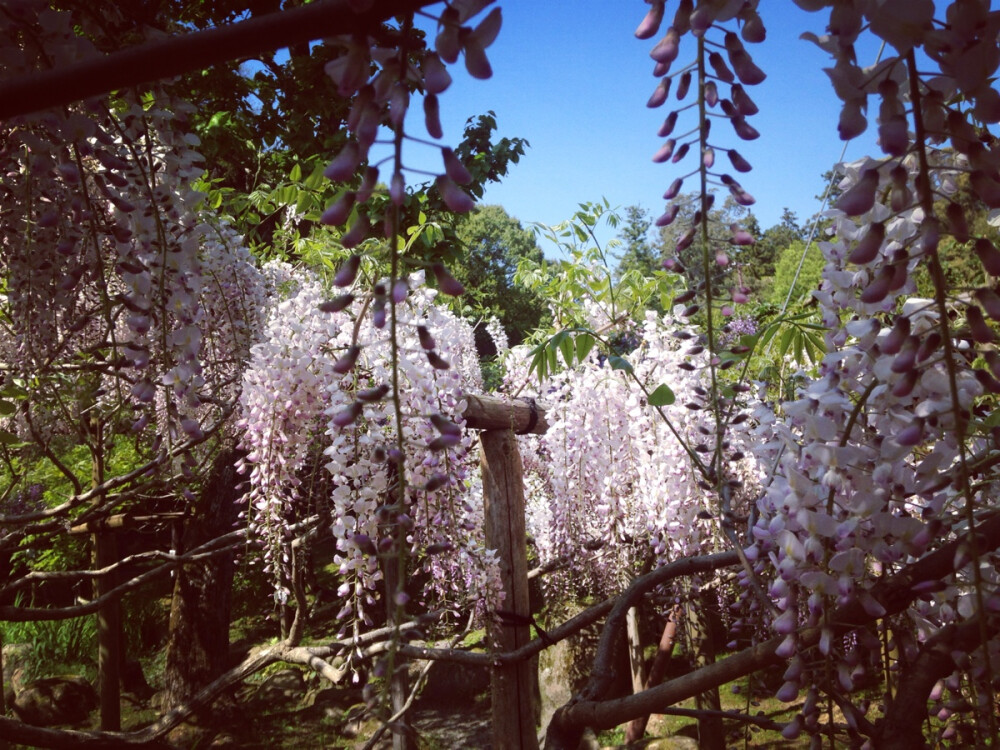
(109, 635)
(198, 641)
(711, 733)
(636, 728)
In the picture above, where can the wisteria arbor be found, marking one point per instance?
(859, 515)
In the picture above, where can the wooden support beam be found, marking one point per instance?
(522, 416)
(513, 686)
(122, 521)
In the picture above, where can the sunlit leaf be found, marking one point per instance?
(662, 396)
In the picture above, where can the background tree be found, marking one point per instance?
(638, 253)
(787, 269)
(493, 244)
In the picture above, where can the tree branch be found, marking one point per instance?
(175, 55)
(894, 594)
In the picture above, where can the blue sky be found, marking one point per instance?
(570, 77)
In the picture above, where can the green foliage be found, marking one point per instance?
(56, 645)
(584, 285)
(809, 274)
(494, 244)
(757, 261)
(638, 254)
(782, 349)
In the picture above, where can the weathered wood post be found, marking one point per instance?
(109, 634)
(513, 686)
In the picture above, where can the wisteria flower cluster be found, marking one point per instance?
(625, 476)
(878, 459)
(328, 378)
(138, 271)
(384, 98)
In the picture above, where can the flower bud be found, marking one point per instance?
(673, 190)
(722, 70)
(447, 42)
(368, 183)
(739, 163)
(668, 216)
(370, 395)
(399, 102)
(488, 29)
(436, 482)
(861, 197)
(348, 415)
(343, 165)
(912, 434)
(667, 49)
(711, 93)
(454, 197)
(446, 282)
(742, 103)
(346, 362)
(432, 116)
(348, 271)
(436, 361)
(683, 85)
(660, 94)
(337, 303)
(988, 255)
(426, 340)
(852, 120)
(454, 168)
(357, 233)
(788, 692)
(665, 151)
(744, 130)
(981, 332)
(436, 76)
(476, 61)
(956, 220)
(338, 212)
(868, 247)
(668, 125)
(753, 29)
(441, 442)
(651, 23)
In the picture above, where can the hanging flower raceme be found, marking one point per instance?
(614, 477)
(329, 379)
(121, 257)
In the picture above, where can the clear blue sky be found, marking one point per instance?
(570, 77)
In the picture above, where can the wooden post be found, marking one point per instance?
(635, 656)
(109, 632)
(513, 690)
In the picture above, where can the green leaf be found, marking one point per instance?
(6, 408)
(315, 180)
(662, 396)
(619, 363)
(8, 438)
(296, 174)
(785, 341)
(584, 343)
(568, 350)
